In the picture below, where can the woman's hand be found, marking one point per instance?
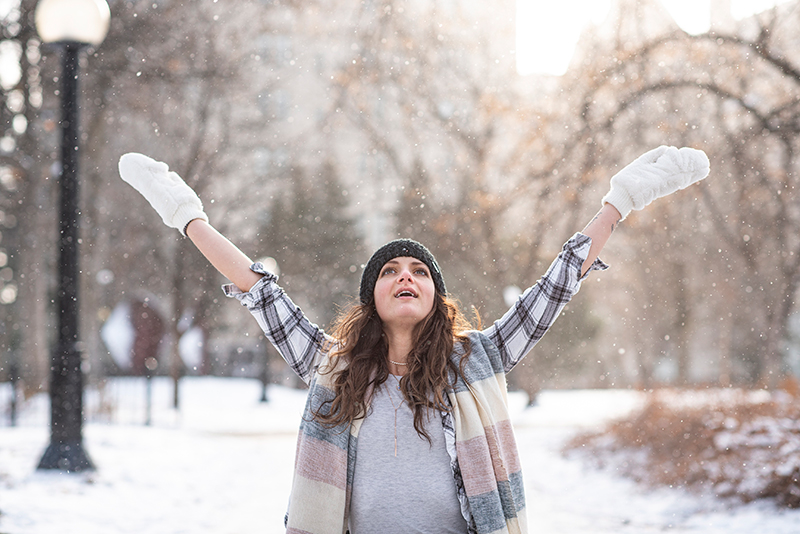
(652, 175)
(178, 205)
(655, 174)
(175, 202)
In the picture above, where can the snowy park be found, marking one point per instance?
(223, 465)
(306, 147)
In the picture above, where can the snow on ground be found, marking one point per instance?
(223, 465)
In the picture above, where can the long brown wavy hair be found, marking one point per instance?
(358, 332)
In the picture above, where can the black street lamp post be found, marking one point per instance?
(74, 25)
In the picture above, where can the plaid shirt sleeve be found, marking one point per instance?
(299, 341)
(539, 306)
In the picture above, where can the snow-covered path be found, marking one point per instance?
(224, 466)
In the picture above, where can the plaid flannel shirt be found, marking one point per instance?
(300, 342)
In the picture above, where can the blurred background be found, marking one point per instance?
(316, 131)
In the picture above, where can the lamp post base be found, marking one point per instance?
(66, 456)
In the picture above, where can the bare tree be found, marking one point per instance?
(28, 222)
(734, 96)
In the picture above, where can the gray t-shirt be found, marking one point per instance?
(412, 492)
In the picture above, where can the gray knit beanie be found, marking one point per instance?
(396, 249)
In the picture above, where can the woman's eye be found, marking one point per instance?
(387, 271)
(422, 272)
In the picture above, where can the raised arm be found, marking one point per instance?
(300, 342)
(223, 255)
(652, 175)
(600, 230)
(181, 208)
(655, 174)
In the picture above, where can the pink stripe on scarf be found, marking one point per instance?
(321, 461)
(481, 456)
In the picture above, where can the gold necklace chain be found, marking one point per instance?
(398, 363)
(389, 393)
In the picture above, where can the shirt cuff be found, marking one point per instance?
(598, 265)
(579, 245)
(232, 291)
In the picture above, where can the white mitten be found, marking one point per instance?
(655, 174)
(169, 195)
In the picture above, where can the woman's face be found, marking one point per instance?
(404, 292)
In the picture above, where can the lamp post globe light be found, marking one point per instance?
(71, 25)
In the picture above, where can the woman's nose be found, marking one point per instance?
(405, 276)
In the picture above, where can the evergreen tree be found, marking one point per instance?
(314, 241)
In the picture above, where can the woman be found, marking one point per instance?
(406, 427)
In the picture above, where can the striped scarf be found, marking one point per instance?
(485, 445)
